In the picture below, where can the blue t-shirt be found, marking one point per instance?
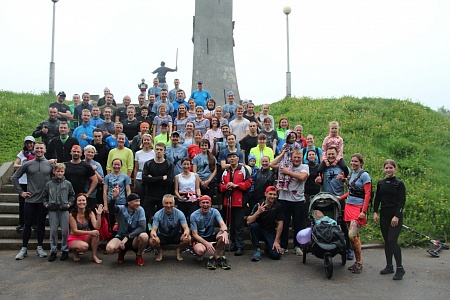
(202, 163)
(112, 142)
(330, 183)
(202, 125)
(204, 224)
(201, 97)
(128, 221)
(231, 109)
(224, 153)
(122, 180)
(88, 182)
(358, 184)
(169, 225)
(174, 156)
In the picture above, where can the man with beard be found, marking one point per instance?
(64, 113)
(49, 128)
(78, 172)
(38, 172)
(107, 126)
(59, 147)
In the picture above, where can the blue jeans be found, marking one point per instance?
(257, 234)
(294, 210)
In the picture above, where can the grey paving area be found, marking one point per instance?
(35, 278)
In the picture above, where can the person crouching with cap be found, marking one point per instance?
(202, 228)
(266, 224)
(131, 233)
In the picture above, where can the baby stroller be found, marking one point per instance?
(327, 240)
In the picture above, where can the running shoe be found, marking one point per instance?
(222, 262)
(40, 252)
(256, 255)
(121, 257)
(139, 261)
(350, 255)
(298, 251)
(387, 270)
(22, 253)
(211, 264)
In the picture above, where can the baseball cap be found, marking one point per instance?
(132, 197)
(232, 154)
(200, 82)
(251, 156)
(62, 94)
(230, 93)
(30, 139)
(271, 188)
(175, 133)
(164, 123)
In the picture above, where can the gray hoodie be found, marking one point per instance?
(38, 173)
(58, 194)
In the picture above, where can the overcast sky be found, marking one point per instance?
(383, 48)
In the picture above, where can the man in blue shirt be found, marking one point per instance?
(202, 227)
(230, 108)
(155, 89)
(84, 132)
(200, 95)
(169, 227)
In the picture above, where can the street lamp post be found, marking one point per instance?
(51, 85)
(287, 11)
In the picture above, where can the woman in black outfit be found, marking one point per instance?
(311, 188)
(391, 193)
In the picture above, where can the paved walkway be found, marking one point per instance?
(35, 278)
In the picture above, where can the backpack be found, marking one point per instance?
(304, 153)
(354, 191)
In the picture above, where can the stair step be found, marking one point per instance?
(9, 219)
(11, 232)
(9, 197)
(9, 208)
(8, 188)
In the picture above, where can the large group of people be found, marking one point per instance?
(154, 170)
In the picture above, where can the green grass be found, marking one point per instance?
(417, 137)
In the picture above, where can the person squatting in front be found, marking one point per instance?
(169, 227)
(131, 233)
(205, 240)
(265, 223)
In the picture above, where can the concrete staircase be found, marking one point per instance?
(10, 239)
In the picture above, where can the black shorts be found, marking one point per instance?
(169, 240)
(129, 244)
(211, 239)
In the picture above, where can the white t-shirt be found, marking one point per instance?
(239, 127)
(296, 189)
(142, 157)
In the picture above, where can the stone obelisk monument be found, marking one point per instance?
(213, 48)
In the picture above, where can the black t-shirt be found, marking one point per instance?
(273, 135)
(61, 108)
(268, 220)
(247, 143)
(78, 175)
(131, 128)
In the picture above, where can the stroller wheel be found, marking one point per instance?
(343, 258)
(305, 251)
(328, 260)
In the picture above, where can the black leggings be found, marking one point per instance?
(390, 236)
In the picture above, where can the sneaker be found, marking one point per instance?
(239, 252)
(139, 261)
(19, 228)
(121, 257)
(284, 250)
(256, 255)
(147, 250)
(352, 267)
(399, 273)
(298, 251)
(22, 253)
(358, 268)
(34, 228)
(222, 262)
(64, 255)
(388, 270)
(186, 250)
(155, 252)
(211, 264)
(52, 256)
(40, 252)
(350, 255)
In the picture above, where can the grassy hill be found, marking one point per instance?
(417, 137)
